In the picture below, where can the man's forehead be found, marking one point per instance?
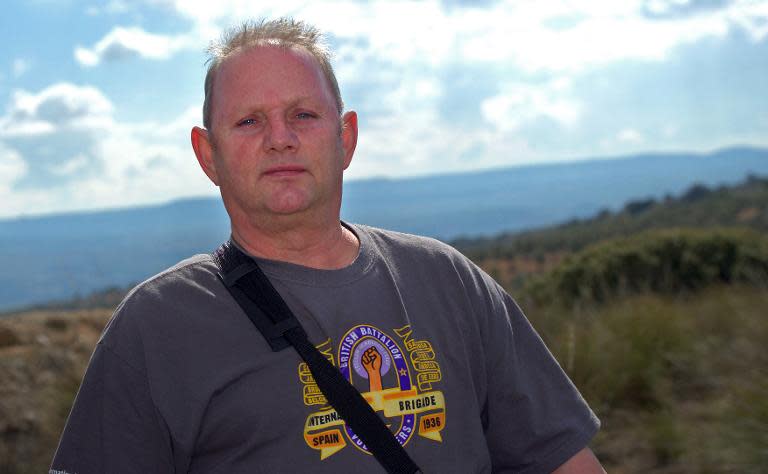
(248, 63)
(264, 53)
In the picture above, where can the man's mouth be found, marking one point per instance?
(284, 171)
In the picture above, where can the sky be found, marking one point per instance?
(97, 98)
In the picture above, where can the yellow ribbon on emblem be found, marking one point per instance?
(398, 403)
(431, 425)
(319, 435)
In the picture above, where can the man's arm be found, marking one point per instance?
(113, 425)
(535, 419)
(583, 462)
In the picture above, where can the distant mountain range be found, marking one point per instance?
(59, 256)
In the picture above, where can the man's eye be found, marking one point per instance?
(305, 115)
(248, 121)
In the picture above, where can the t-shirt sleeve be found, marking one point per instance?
(114, 425)
(535, 418)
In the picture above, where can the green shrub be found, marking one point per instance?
(663, 261)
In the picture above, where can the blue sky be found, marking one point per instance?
(97, 98)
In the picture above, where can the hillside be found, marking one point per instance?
(742, 204)
(511, 257)
(59, 257)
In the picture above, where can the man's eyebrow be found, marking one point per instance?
(293, 102)
(304, 98)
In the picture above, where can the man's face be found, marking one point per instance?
(276, 145)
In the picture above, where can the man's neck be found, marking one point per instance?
(328, 247)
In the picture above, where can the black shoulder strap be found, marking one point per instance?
(267, 310)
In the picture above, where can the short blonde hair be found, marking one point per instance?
(282, 32)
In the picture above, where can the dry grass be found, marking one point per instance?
(679, 381)
(43, 356)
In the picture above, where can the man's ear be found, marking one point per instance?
(349, 136)
(201, 143)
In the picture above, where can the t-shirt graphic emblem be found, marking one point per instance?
(395, 382)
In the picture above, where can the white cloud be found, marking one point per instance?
(555, 36)
(604, 32)
(12, 167)
(594, 32)
(548, 35)
(555, 40)
(122, 43)
(520, 103)
(408, 144)
(111, 7)
(630, 135)
(62, 105)
(626, 140)
(409, 136)
(20, 67)
(397, 55)
(63, 149)
(75, 164)
(670, 130)
(752, 16)
(179, 127)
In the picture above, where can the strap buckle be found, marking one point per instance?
(231, 277)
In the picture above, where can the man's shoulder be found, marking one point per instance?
(174, 284)
(160, 305)
(412, 244)
(424, 255)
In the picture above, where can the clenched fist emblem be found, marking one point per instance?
(371, 360)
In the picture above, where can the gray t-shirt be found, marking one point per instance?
(181, 381)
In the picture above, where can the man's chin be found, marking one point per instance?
(290, 205)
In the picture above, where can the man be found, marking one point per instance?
(182, 382)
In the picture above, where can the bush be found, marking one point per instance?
(57, 323)
(663, 261)
(8, 337)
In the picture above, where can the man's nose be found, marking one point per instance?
(280, 136)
